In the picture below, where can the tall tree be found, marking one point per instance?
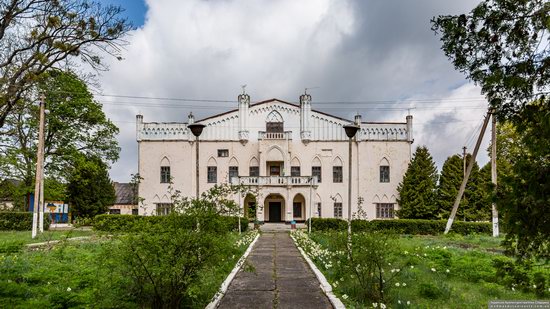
(523, 197)
(38, 35)
(417, 191)
(75, 125)
(451, 177)
(90, 190)
(504, 46)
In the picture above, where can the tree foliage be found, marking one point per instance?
(503, 46)
(417, 191)
(523, 197)
(38, 35)
(90, 191)
(75, 125)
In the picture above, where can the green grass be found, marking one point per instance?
(25, 236)
(84, 275)
(438, 271)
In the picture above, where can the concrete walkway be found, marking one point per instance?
(280, 279)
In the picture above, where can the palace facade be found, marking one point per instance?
(296, 158)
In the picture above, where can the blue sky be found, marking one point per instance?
(134, 10)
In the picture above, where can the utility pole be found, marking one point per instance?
(464, 160)
(494, 171)
(467, 175)
(38, 185)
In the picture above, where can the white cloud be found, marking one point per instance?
(351, 50)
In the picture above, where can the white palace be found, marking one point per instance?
(295, 156)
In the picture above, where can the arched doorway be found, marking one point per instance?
(274, 208)
(250, 206)
(299, 208)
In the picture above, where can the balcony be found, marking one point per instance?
(275, 135)
(275, 181)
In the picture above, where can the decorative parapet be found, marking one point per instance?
(162, 131)
(383, 132)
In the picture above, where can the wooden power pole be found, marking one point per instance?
(39, 185)
(468, 171)
(494, 171)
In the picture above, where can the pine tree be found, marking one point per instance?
(417, 191)
(475, 203)
(452, 175)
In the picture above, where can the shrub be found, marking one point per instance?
(131, 223)
(403, 226)
(19, 221)
(327, 224)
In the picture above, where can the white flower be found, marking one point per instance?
(534, 286)
(448, 271)
(408, 302)
(398, 270)
(404, 284)
(412, 266)
(68, 289)
(345, 296)
(433, 269)
(342, 279)
(382, 306)
(397, 284)
(399, 302)
(513, 289)
(375, 305)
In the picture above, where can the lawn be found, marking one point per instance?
(87, 274)
(423, 271)
(25, 236)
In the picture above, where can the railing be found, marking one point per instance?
(274, 135)
(275, 181)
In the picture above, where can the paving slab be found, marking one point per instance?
(280, 279)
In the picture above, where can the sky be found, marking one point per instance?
(376, 58)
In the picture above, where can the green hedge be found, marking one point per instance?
(19, 221)
(129, 223)
(403, 226)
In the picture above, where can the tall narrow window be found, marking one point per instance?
(233, 172)
(295, 171)
(212, 174)
(384, 173)
(337, 210)
(319, 210)
(297, 208)
(384, 210)
(254, 171)
(337, 174)
(164, 174)
(316, 172)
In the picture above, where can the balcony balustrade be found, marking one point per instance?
(275, 181)
(275, 135)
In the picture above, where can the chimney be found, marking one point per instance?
(358, 119)
(139, 125)
(410, 138)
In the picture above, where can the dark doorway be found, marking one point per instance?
(274, 211)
